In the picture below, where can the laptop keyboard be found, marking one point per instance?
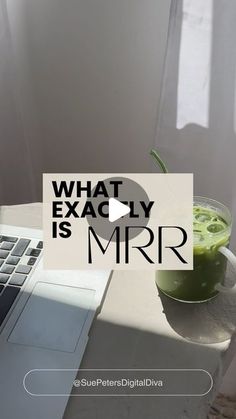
(17, 259)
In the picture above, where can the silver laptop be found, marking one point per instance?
(45, 317)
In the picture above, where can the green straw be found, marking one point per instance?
(158, 160)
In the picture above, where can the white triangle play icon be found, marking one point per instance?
(117, 209)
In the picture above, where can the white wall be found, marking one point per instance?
(197, 129)
(88, 82)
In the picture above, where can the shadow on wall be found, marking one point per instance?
(16, 176)
(85, 88)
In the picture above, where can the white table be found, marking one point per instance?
(132, 331)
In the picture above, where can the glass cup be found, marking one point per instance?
(212, 223)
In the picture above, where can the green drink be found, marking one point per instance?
(211, 228)
(212, 223)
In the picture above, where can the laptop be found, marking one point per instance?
(45, 318)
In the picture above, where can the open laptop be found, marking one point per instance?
(45, 318)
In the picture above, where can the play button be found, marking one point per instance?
(117, 210)
(130, 202)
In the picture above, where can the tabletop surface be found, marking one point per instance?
(138, 328)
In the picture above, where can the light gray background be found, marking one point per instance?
(80, 83)
(79, 88)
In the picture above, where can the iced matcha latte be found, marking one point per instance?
(212, 228)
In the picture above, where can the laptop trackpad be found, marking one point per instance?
(53, 317)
